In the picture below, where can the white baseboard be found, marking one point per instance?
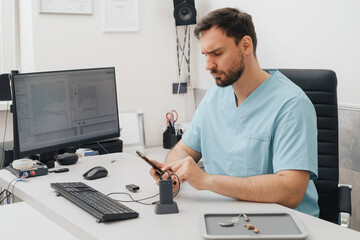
(347, 106)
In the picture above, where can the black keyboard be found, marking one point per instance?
(98, 204)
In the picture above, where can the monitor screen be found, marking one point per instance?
(60, 109)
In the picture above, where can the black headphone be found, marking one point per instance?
(170, 173)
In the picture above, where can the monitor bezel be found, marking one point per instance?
(71, 144)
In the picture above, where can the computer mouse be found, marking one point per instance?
(95, 173)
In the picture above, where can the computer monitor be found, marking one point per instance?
(61, 109)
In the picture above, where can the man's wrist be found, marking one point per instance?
(206, 181)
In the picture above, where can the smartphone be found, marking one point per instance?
(157, 169)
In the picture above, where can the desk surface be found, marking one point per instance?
(127, 169)
(20, 216)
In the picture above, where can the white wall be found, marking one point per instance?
(303, 34)
(8, 51)
(291, 34)
(145, 61)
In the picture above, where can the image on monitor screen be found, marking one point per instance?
(59, 109)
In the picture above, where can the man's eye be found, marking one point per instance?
(217, 53)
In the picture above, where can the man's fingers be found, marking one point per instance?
(172, 166)
(155, 176)
(159, 164)
(175, 187)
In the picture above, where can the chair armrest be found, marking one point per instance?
(344, 204)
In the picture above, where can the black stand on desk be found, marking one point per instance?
(166, 205)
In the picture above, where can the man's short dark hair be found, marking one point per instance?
(232, 21)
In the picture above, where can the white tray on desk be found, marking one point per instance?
(272, 225)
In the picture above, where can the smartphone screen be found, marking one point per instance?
(157, 169)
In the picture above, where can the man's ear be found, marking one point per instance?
(246, 45)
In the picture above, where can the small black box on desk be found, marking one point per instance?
(112, 146)
(170, 138)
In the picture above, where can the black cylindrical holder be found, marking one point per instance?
(166, 205)
(170, 138)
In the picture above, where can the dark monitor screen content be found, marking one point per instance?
(61, 109)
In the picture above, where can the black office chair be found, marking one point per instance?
(320, 87)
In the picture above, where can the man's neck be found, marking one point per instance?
(252, 77)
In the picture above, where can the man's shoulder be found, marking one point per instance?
(286, 87)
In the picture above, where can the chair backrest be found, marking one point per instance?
(320, 86)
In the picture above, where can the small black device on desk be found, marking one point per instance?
(67, 158)
(60, 170)
(96, 203)
(132, 187)
(108, 146)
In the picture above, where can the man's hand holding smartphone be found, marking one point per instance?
(156, 171)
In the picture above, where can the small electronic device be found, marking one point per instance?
(132, 187)
(67, 158)
(166, 191)
(166, 205)
(157, 169)
(37, 169)
(95, 173)
(60, 170)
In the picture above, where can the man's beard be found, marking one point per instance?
(231, 76)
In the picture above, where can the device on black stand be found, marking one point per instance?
(166, 205)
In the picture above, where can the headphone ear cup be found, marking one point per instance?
(169, 173)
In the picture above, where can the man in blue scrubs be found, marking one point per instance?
(255, 131)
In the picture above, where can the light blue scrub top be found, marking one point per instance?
(274, 129)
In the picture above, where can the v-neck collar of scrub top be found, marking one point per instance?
(242, 107)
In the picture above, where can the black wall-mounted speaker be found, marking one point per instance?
(184, 12)
(5, 94)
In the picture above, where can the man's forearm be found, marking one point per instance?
(287, 190)
(176, 153)
(181, 151)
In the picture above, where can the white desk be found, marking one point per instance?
(19, 220)
(130, 169)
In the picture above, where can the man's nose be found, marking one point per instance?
(210, 64)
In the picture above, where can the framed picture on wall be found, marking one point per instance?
(66, 6)
(120, 16)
